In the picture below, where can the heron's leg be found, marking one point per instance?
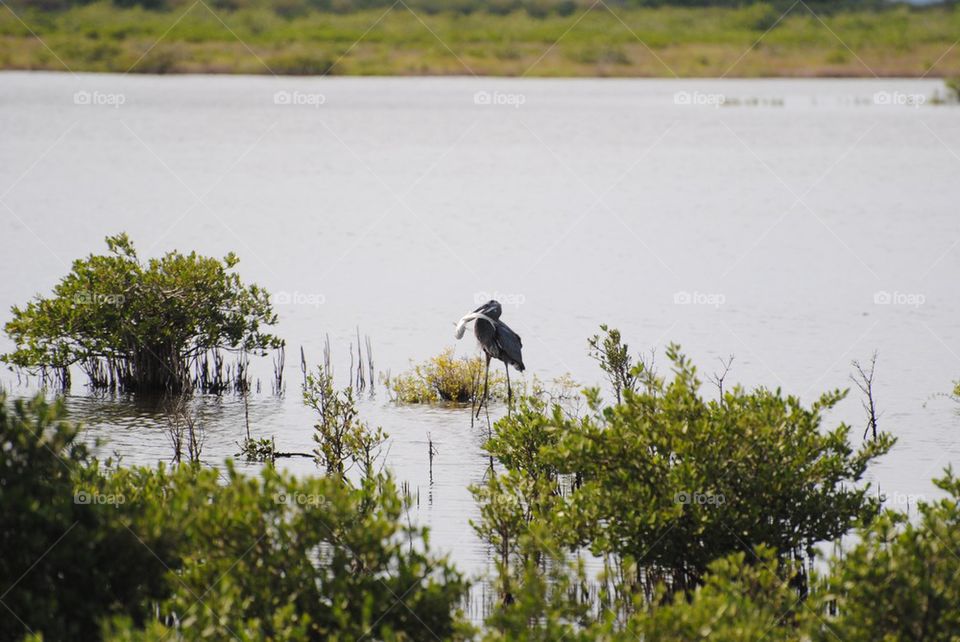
(486, 381)
(506, 367)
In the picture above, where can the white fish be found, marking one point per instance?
(467, 318)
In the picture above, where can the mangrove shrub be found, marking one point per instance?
(666, 481)
(144, 326)
(196, 553)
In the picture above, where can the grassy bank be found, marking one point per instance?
(664, 42)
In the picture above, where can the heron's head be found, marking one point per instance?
(491, 309)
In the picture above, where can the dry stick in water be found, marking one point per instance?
(361, 380)
(431, 450)
(326, 355)
(303, 366)
(350, 372)
(246, 413)
(863, 377)
(279, 362)
(370, 365)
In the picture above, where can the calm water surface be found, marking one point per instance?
(767, 228)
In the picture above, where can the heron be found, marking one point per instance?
(497, 340)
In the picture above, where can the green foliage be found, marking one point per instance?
(68, 558)
(277, 555)
(142, 326)
(745, 597)
(493, 37)
(900, 581)
(614, 358)
(263, 449)
(342, 439)
(547, 602)
(665, 482)
(215, 555)
(447, 378)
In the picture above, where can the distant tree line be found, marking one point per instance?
(537, 8)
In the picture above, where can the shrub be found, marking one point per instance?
(666, 481)
(312, 558)
(744, 597)
(142, 326)
(720, 476)
(342, 439)
(900, 581)
(210, 554)
(447, 378)
(68, 560)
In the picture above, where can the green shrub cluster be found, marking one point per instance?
(897, 583)
(189, 554)
(447, 378)
(144, 325)
(705, 512)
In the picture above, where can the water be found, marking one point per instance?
(395, 204)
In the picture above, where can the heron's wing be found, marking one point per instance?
(510, 345)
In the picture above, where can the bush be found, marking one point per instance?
(279, 554)
(68, 559)
(666, 481)
(143, 326)
(447, 378)
(900, 581)
(210, 554)
(745, 597)
(342, 439)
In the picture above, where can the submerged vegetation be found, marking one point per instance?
(465, 37)
(159, 326)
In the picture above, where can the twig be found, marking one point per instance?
(863, 378)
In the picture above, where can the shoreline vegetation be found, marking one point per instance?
(599, 40)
